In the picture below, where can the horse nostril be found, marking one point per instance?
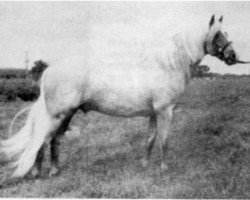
(233, 55)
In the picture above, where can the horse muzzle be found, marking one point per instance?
(231, 61)
(229, 56)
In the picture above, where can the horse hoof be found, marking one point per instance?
(164, 167)
(144, 163)
(54, 172)
(35, 173)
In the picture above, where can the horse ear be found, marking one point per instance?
(211, 21)
(221, 19)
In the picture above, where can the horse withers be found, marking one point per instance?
(126, 87)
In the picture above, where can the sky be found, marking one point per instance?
(52, 31)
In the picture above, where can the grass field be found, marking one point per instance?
(209, 155)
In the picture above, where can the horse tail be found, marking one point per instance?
(15, 118)
(22, 148)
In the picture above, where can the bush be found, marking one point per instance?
(199, 71)
(38, 69)
(13, 73)
(24, 89)
(20, 83)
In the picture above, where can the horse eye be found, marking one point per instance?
(215, 37)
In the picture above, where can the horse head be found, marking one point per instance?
(217, 43)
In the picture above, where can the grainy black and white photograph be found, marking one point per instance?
(125, 99)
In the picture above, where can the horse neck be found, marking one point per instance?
(193, 46)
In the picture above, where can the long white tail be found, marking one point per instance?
(22, 148)
(15, 118)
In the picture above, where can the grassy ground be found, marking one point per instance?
(209, 155)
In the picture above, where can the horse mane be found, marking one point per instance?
(190, 37)
(120, 37)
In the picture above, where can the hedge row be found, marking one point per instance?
(13, 73)
(18, 88)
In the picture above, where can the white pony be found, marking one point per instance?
(145, 87)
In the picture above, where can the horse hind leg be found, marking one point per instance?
(37, 168)
(55, 145)
(54, 156)
(60, 126)
(55, 142)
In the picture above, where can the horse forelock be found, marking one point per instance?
(212, 32)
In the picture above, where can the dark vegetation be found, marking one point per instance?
(13, 73)
(200, 71)
(38, 69)
(21, 84)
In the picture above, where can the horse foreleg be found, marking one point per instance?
(164, 118)
(151, 141)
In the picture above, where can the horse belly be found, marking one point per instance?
(124, 105)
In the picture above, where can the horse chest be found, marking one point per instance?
(168, 89)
